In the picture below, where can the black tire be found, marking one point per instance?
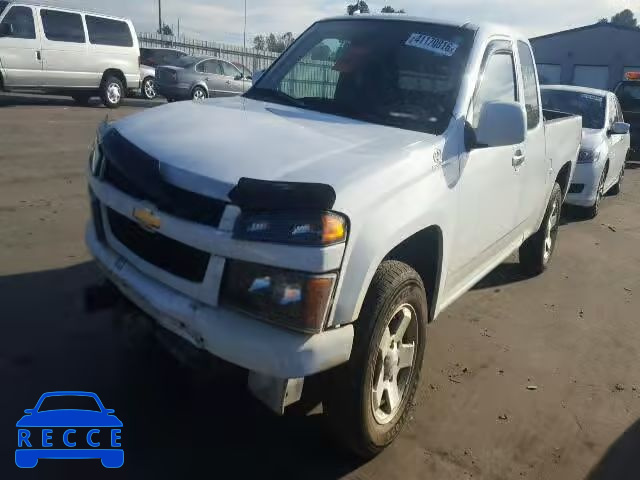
(199, 93)
(536, 252)
(349, 404)
(111, 92)
(81, 98)
(617, 188)
(592, 211)
(149, 88)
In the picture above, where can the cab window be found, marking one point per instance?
(21, 19)
(530, 84)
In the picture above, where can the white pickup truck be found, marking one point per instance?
(372, 175)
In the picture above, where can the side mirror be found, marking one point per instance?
(238, 77)
(620, 128)
(256, 75)
(109, 411)
(500, 124)
(29, 411)
(6, 29)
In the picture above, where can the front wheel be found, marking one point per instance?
(371, 396)
(617, 188)
(149, 88)
(111, 92)
(537, 250)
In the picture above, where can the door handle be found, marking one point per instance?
(518, 158)
(38, 55)
(228, 82)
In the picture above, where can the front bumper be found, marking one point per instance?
(237, 338)
(587, 176)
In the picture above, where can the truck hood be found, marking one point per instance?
(592, 138)
(208, 146)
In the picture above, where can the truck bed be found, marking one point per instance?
(563, 134)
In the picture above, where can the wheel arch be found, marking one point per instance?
(201, 85)
(563, 177)
(115, 73)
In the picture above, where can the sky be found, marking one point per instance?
(223, 20)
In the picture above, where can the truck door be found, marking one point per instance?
(20, 48)
(489, 186)
(533, 169)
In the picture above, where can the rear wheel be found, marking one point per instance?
(537, 250)
(371, 396)
(198, 94)
(149, 88)
(111, 92)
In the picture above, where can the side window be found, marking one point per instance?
(229, 70)
(498, 83)
(104, 31)
(209, 66)
(62, 26)
(21, 18)
(530, 84)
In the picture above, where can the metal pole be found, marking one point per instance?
(244, 44)
(160, 16)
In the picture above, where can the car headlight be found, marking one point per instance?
(95, 158)
(589, 156)
(301, 228)
(292, 299)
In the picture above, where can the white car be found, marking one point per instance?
(605, 142)
(373, 174)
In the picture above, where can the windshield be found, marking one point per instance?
(3, 5)
(629, 96)
(397, 73)
(591, 107)
(69, 402)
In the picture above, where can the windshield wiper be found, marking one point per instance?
(267, 94)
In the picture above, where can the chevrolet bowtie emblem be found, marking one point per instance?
(146, 218)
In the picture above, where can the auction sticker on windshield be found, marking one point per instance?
(432, 44)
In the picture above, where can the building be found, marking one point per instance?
(595, 56)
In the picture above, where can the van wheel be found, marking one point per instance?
(82, 98)
(149, 88)
(111, 92)
(198, 94)
(537, 250)
(371, 396)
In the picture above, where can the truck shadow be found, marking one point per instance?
(621, 461)
(177, 424)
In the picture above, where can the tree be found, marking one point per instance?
(360, 6)
(166, 30)
(389, 9)
(259, 42)
(625, 18)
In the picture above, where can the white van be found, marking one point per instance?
(67, 52)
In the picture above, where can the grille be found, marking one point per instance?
(97, 216)
(137, 174)
(163, 252)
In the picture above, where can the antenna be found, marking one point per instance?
(244, 44)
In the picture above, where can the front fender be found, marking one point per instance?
(412, 207)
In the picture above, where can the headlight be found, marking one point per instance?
(589, 156)
(95, 159)
(292, 299)
(302, 228)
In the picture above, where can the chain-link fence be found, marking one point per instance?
(250, 58)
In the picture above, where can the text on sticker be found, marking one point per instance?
(595, 98)
(432, 44)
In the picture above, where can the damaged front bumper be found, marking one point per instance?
(278, 359)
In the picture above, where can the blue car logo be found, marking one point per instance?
(69, 425)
